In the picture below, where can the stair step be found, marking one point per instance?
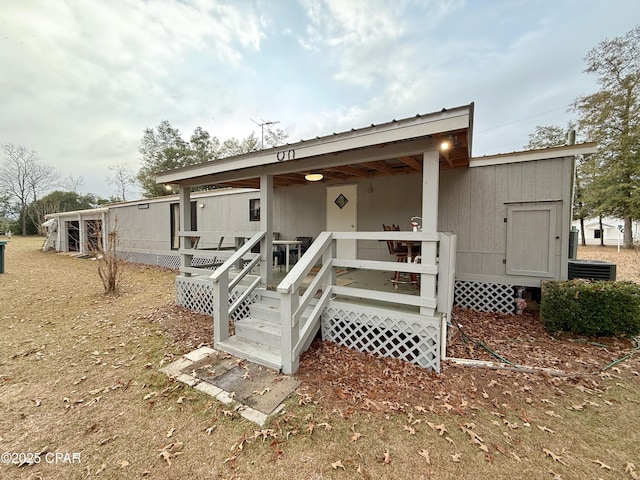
(259, 330)
(252, 351)
(267, 311)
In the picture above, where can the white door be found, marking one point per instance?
(342, 202)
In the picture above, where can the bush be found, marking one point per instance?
(599, 308)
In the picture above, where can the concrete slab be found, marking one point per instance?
(256, 386)
(260, 390)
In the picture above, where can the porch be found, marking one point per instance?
(312, 188)
(352, 302)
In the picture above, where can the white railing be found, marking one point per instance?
(436, 291)
(222, 285)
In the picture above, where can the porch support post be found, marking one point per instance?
(82, 233)
(185, 224)
(430, 187)
(104, 232)
(266, 225)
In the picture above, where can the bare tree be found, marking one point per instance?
(123, 180)
(23, 177)
(72, 184)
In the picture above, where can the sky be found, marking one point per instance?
(80, 80)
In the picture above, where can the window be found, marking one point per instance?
(597, 233)
(254, 210)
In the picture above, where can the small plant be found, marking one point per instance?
(108, 260)
(601, 308)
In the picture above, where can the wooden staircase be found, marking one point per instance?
(258, 336)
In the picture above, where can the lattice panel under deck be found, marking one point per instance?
(194, 294)
(484, 297)
(159, 259)
(197, 295)
(410, 337)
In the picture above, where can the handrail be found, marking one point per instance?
(237, 256)
(222, 287)
(301, 269)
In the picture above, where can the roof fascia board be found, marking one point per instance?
(422, 126)
(530, 155)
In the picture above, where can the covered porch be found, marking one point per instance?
(271, 320)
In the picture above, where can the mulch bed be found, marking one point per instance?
(344, 381)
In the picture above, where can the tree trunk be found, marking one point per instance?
(584, 238)
(601, 231)
(23, 217)
(628, 232)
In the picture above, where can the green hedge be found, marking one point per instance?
(599, 308)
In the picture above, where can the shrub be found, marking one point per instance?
(601, 308)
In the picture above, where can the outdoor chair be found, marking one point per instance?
(401, 252)
(303, 247)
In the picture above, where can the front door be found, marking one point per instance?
(342, 202)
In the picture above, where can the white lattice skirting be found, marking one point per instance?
(197, 294)
(408, 336)
(485, 297)
(166, 260)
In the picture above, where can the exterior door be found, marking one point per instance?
(342, 202)
(532, 239)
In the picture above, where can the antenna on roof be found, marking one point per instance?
(261, 125)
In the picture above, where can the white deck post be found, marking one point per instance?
(266, 225)
(82, 236)
(220, 309)
(430, 188)
(185, 223)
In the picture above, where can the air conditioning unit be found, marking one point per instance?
(592, 270)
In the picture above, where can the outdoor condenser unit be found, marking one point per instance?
(592, 270)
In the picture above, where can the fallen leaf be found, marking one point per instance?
(171, 432)
(123, 464)
(387, 457)
(425, 454)
(602, 464)
(411, 430)
(556, 458)
(545, 429)
(455, 457)
(210, 429)
(337, 465)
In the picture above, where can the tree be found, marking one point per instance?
(58, 201)
(123, 180)
(72, 184)
(611, 117)
(23, 178)
(162, 149)
(548, 136)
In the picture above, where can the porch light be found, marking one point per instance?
(445, 145)
(313, 177)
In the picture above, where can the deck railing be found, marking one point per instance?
(223, 285)
(436, 292)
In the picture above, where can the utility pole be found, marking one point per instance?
(261, 125)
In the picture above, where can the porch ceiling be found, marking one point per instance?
(455, 157)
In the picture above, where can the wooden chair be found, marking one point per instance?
(304, 246)
(401, 252)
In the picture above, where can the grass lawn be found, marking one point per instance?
(80, 393)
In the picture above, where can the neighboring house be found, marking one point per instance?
(486, 226)
(610, 234)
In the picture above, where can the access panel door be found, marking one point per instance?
(532, 239)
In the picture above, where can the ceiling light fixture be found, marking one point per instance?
(313, 177)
